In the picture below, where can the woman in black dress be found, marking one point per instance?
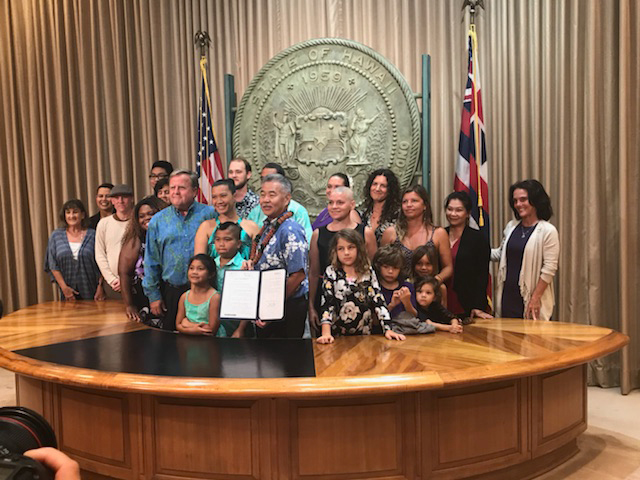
(470, 252)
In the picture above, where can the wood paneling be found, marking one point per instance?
(30, 393)
(507, 399)
(347, 437)
(89, 410)
(477, 428)
(557, 415)
(559, 408)
(204, 439)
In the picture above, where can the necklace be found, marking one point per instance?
(527, 230)
(259, 244)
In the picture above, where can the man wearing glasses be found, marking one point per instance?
(159, 170)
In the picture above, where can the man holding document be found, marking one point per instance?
(281, 245)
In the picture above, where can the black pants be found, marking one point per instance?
(171, 295)
(295, 314)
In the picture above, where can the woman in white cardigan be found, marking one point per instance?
(528, 255)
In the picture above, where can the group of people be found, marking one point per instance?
(386, 269)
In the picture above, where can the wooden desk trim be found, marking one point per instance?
(309, 386)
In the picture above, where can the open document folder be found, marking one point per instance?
(253, 295)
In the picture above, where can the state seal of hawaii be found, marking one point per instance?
(326, 106)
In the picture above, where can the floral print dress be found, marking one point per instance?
(349, 306)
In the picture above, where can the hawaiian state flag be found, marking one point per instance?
(208, 163)
(471, 168)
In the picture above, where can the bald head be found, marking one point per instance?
(341, 203)
(346, 191)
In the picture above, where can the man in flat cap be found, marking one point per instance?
(109, 234)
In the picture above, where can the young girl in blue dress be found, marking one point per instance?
(351, 298)
(198, 307)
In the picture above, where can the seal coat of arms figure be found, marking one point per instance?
(325, 106)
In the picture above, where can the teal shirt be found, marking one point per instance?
(170, 239)
(300, 215)
(200, 313)
(228, 326)
(234, 264)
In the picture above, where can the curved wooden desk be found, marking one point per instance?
(506, 399)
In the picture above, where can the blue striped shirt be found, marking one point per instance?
(169, 246)
(82, 274)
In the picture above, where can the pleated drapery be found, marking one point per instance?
(95, 91)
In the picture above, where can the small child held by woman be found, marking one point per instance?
(424, 263)
(198, 307)
(351, 297)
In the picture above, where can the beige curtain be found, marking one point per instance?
(95, 91)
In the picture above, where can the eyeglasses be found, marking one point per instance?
(158, 176)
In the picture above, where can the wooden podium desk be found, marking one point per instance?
(505, 399)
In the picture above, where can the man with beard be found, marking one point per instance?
(240, 172)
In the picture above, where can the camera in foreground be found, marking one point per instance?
(22, 429)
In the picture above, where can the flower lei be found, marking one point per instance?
(259, 244)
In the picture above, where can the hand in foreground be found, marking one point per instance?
(100, 296)
(116, 285)
(533, 308)
(158, 308)
(64, 467)
(391, 335)
(132, 313)
(314, 319)
(325, 339)
(261, 323)
(237, 333)
(404, 295)
(247, 265)
(455, 328)
(477, 313)
(69, 293)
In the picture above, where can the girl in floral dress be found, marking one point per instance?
(351, 297)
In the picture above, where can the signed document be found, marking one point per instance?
(253, 295)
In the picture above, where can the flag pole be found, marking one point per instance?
(473, 4)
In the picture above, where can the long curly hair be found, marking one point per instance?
(392, 202)
(134, 230)
(427, 216)
(362, 264)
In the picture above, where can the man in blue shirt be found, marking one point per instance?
(282, 243)
(169, 246)
(300, 213)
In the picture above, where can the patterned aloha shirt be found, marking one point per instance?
(287, 249)
(244, 206)
(170, 239)
(348, 305)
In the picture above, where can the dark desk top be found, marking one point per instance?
(155, 352)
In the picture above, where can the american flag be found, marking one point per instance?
(471, 168)
(208, 163)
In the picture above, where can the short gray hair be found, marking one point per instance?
(283, 181)
(192, 176)
(346, 190)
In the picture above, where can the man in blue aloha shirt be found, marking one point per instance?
(169, 246)
(300, 213)
(282, 243)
